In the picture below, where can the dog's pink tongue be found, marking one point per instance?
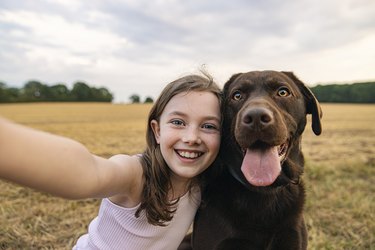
(261, 167)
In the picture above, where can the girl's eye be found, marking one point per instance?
(209, 126)
(237, 95)
(177, 122)
(283, 92)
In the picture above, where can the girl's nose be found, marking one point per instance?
(191, 137)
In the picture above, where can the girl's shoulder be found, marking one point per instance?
(125, 158)
(132, 195)
(130, 162)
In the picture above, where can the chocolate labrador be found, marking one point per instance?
(256, 201)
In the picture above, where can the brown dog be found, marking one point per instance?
(257, 201)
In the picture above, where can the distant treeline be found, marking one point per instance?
(352, 93)
(35, 91)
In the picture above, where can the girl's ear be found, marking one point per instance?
(156, 129)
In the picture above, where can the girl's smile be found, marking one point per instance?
(189, 154)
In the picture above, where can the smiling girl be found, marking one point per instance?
(150, 199)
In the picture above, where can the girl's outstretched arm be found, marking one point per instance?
(62, 166)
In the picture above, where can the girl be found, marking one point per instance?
(153, 197)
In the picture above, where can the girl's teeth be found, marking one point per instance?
(189, 154)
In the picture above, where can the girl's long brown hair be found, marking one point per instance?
(158, 208)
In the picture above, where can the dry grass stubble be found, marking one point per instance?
(340, 177)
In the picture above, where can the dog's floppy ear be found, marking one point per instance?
(229, 82)
(312, 104)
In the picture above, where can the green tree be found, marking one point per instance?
(101, 95)
(364, 92)
(81, 92)
(135, 98)
(12, 94)
(35, 91)
(60, 93)
(3, 88)
(8, 94)
(149, 99)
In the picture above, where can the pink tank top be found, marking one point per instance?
(116, 227)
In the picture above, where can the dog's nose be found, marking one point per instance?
(258, 118)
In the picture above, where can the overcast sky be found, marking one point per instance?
(138, 46)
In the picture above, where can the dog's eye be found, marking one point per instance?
(283, 92)
(237, 96)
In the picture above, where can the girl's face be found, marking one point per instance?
(189, 133)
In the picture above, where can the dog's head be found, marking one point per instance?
(264, 117)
